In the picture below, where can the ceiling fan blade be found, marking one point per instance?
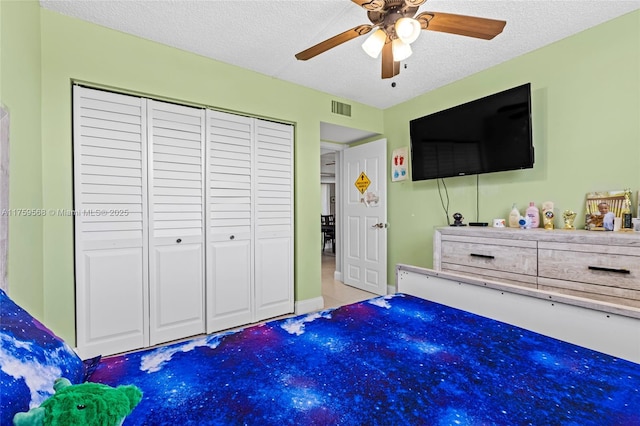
(469, 26)
(370, 5)
(390, 68)
(333, 42)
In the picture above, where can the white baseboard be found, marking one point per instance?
(309, 305)
(391, 289)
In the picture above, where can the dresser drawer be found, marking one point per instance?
(490, 254)
(612, 266)
(607, 273)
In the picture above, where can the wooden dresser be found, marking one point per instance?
(596, 265)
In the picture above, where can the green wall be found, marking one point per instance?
(21, 94)
(586, 130)
(77, 50)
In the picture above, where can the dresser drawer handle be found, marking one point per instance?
(486, 256)
(618, 271)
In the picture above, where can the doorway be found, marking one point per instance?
(334, 139)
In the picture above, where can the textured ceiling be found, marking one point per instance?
(264, 35)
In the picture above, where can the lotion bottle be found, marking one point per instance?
(534, 215)
(514, 217)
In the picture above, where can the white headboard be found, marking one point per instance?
(4, 195)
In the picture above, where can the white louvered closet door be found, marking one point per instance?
(229, 227)
(110, 222)
(274, 219)
(176, 221)
(250, 222)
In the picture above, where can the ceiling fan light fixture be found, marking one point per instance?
(374, 43)
(408, 29)
(401, 50)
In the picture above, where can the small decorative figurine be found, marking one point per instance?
(569, 216)
(522, 222)
(457, 219)
(547, 214)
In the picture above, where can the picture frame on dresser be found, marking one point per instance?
(601, 209)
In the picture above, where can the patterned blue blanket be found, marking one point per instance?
(395, 360)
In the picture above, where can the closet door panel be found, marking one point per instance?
(178, 283)
(274, 269)
(176, 218)
(109, 140)
(274, 219)
(229, 220)
(114, 276)
(230, 299)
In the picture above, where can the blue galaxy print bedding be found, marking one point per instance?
(32, 357)
(395, 360)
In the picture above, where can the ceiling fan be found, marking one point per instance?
(397, 28)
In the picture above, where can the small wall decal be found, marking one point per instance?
(399, 160)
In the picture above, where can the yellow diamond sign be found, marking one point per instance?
(362, 183)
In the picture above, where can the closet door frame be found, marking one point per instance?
(231, 253)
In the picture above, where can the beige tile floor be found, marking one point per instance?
(334, 292)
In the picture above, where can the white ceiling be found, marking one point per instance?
(264, 36)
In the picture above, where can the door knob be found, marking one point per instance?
(380, 225)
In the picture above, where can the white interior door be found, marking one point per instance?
(176, 221)
(364, 195)
(110, 181)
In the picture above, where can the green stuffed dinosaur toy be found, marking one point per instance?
(86, 404)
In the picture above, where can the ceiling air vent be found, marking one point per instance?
(340, 108)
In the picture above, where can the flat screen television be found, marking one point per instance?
(490, 134)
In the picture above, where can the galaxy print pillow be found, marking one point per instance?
(31, 358)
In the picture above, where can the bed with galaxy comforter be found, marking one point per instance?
(394, 360)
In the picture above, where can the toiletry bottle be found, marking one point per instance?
(534, 215)
(514, 217)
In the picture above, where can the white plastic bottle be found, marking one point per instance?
(534, 215)
(514, 217)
